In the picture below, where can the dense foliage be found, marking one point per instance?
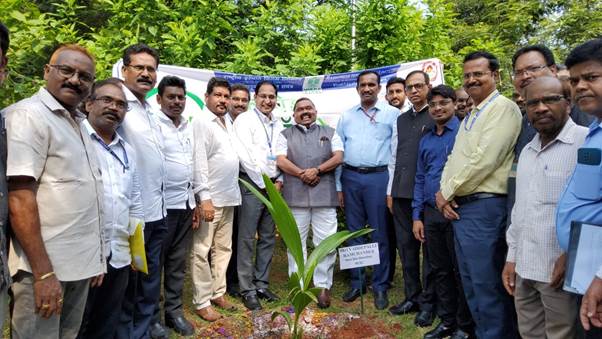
(290, 37)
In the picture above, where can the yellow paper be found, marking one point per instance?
(137, 249)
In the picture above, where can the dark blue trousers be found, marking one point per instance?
(365, 204)
(142, 293)
(481, 253)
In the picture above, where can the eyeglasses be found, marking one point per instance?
(417, 86)
(547, 100)
(108, 101)
(141, 68)
(68, 71)
(476, 75)
(530, 70)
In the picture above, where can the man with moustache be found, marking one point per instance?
(257, 130)
(122, 205)
(56, 253)
(141, 130)
(5, 279)
(581, 200)
(430, 227)
(535, 264)
(308, 154)
(368, 134)
(179, 201)
(239, 102)
(216, 166)
(396, 94)
(411, 126)
(464, 103)
(473, 195)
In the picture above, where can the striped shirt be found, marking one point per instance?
(541, 176)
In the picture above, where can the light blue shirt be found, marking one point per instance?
(576, 202)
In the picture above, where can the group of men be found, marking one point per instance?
(89, 163)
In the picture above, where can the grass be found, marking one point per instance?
(279, 277)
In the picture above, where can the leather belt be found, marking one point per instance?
(366, 170)
(476, 196)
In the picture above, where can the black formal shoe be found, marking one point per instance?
(440, 332)
(352, 294)
(233, 292)
(180, 325)
(380, 300)
(404, 307)
(157, 331)
(424, 319)
(266, 294)
(251, 302)
(459, 334)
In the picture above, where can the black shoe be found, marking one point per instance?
(157, 331)
(233, 292)
(251, 302)
(380, 300)
(180, 325)
(440, 332)
(459, 334)
(352, 294)
(424, 319)
(404, 307)
(266, 294)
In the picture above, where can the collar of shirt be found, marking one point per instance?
(451, 125)
(131, 98)
(595, 125)
(565, 136)
(167, 120)
(53, 105)
(117, 138)
(305, 129)
(379, 106)
(264, 119)
(423, 109)
(485, 101)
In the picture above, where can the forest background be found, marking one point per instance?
(290, 37)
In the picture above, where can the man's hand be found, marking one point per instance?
(446, 207)
(207, 211)
(440, 201)
(48, 295)
(278, 185)
(97, 280)
(341, 199)
(591, 306)
(418, 230)
(310, 176)
(196, 218)
(509, 277)
(558, 271)
(390, 203)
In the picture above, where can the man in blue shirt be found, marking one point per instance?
(582, 199)
(368, 134)
(430, 226)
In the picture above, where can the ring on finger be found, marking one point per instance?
(45, 306)
(60, 301)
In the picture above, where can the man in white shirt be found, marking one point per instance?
(535, 264)
(141, 130)
(179, 198)
(216, 187)
(56, 252)
(239, 103)
(122, 205)
(257, 130)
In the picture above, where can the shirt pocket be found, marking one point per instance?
(551, 186)
(381, 131)
(587, 181)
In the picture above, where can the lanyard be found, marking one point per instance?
(371, 117)
(125, 163)
(267, 137)
(478, 113)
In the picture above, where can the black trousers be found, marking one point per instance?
(103, 306)
(231, 273)
(174, 257)
(451, 304)
(409, 253)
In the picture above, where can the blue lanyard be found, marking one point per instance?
(267, 137)
(125, 163)
(478, 113)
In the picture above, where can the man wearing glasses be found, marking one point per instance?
(122, 209)
(473, 195)
(140, 129)
(411, 126)
(54, 200)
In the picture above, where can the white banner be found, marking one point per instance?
(332, 93)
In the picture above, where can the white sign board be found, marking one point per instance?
(359, 256)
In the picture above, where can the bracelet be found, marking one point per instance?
(45, 276)
(319, 171)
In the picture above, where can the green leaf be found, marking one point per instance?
(286, 317)
(258, 194)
